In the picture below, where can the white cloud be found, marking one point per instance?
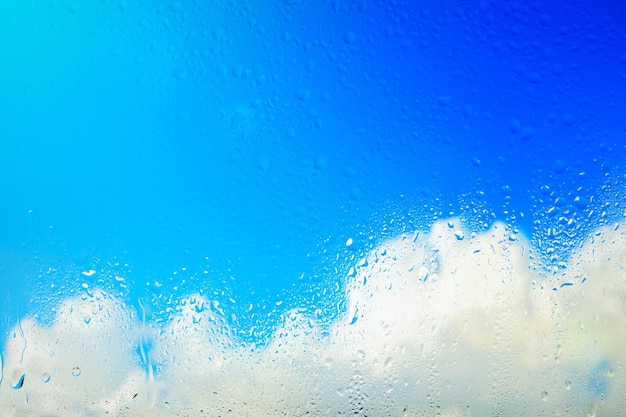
(435, 324)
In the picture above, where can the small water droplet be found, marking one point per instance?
(355, 317)
(76, 371)
(560, 166)
(45, 377)
(423, 273)
(544, 395)
(355, 193)
(545, 19)
(527, 133)
(592, 410)
(568, 119)
(349, 172)
(17, 379)
(262, 163)
(180, 74)
(349, 242)
(459, 235)
(320, 162)
(349, 37)
(303, 94)
(444, 101)
(610, 373)
(514, 125)
(568, 384)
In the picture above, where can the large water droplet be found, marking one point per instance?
(76, 371)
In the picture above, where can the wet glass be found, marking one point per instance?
(291, 208)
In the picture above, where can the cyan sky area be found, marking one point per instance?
(235, 146)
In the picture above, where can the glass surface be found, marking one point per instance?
(290, 207)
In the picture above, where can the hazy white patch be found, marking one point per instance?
(436, 325)
(82, 365)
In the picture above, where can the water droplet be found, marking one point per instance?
(610, 373)
(320, 163)
(514, 125)
(459, 235)
(545, 19)
(180, 74)
(262, 163)
(534, 77)
(591, 410)
(567, 119)
(76, 371)
(544, 395)
(355, 317)
(45, 377)
(560, 166)
(349, 37)
(175, 6)
(303, 94)
(527, 133)
(349, 242)
(355, 193)
(17, 379)
(423, 273)
(444, 101)
(349, 172)
(568, 384)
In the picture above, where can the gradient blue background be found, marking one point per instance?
(234, 147)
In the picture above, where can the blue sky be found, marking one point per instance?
(235, 148)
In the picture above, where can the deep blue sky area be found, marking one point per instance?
(234, 147)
